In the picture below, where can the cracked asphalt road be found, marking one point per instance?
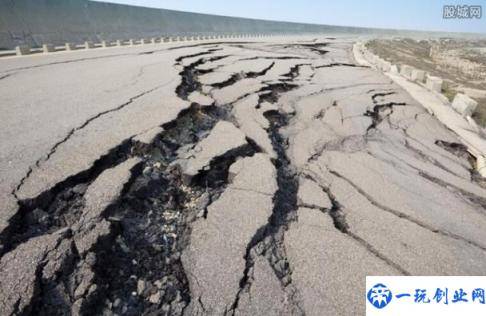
(243, 178)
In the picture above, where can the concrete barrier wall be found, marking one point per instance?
(35, 22)
(38, 22)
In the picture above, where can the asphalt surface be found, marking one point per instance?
(250, 178)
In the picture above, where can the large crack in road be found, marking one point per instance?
(268, 239)
(136, 249)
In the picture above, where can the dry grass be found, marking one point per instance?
(480, 114)
(448, 90)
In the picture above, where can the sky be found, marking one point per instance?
(424, 15)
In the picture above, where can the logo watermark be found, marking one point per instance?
(462, 12)
(457, 295)
(379, 295)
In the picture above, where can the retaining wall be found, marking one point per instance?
(37, 22)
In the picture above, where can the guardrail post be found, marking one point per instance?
(22, 50)
(406, 71)
(434, 83)
(418, 75)
(70, 46)
(464, 105)
(48, 48)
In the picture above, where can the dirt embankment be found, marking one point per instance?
(461, 63)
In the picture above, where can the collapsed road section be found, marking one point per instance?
(228, 178)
